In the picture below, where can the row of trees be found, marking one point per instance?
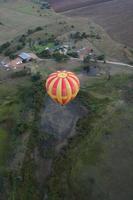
(10, 48)
(83, 35)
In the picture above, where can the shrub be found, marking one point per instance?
(22, 38)
(44, 54)
(4, 46)
(101, 57)
(36, 77)
(79, 36)
(13, 56)
(98, 37)
(8, 52)
(52, 38)
(20, 128)
(72, 26)
(84, 35)
(19, 74)
(39, 28)
(20, 46)
(73, 54)
(1, 23)
(30, 31)
(60, 57)
(87, 59)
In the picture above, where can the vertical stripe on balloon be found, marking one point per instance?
(62, 86)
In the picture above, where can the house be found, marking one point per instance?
(22, 58)
(25, 57)
(45, 5)
(62, 49)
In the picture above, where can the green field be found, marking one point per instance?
(103, 140)
(4, 148)
(92, 165)
(10, 115)
(18, 17)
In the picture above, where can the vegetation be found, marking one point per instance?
(42, 47)
(91, 163)
(79, 35)
(73, 54)
(30, 31)
(21, 73)
(3, 148)
(4, 46)
(72, 173)
(28, 188)
(59, 57)
(1, 24)
(101, 57)
(20, 116)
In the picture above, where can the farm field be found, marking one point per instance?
(115, 16)
(17, 17)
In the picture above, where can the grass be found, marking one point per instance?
(11, 107)
(40, 48)
(4, 142)
(19, 116)
(23, 7)
(28, 188)
(18, 17)
(80, 171)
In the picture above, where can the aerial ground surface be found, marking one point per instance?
(115, 16)
(81, 151)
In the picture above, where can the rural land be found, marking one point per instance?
(115, 16)
(82, 150)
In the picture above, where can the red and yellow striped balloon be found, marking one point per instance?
(62, 86)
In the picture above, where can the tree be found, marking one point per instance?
(101, 57)
(45, 54)
(36, 77)
(86, 62)
(60, 57)
(39, 28)
(73, 54)
(87, 59)
(4, 46)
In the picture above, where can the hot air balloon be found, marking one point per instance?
(62, 86)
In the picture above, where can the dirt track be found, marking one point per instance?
(55, 116)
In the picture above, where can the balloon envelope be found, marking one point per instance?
(62, 86)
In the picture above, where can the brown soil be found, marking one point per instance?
(115, 16)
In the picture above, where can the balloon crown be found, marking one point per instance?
(62, 74)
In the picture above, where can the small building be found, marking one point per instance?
(25, 57)
(22, 58)
(62, 49)
(45, 5)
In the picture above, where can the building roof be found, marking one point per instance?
(25, 56)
